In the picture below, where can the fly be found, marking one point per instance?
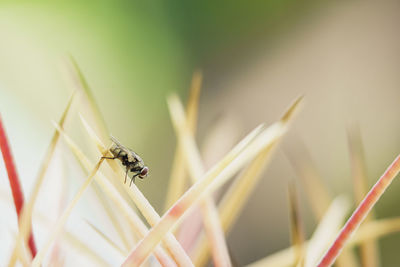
(129, 159)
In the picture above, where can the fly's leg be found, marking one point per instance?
(126, 175)
(133, 179)
(108, 157)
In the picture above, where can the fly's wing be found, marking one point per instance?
(131, 155)
(117, 149)
(119, 145)
(116, 142)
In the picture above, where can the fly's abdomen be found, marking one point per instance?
(118, 153)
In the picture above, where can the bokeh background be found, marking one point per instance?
(256, 57)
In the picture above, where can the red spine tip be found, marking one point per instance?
(15, 184)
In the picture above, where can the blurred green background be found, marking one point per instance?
(256, 56)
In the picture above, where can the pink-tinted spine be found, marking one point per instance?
(360, 213)
(15, 184)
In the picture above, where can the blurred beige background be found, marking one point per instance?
(343, 56)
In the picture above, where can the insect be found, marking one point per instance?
(129, 159)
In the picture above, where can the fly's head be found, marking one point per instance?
(143, 173)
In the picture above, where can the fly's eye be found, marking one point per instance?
(143, 172)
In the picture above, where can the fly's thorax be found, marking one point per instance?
(139, 159)
(131, 157)
(136, 166)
